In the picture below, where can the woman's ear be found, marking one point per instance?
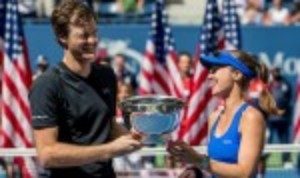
(237, 75)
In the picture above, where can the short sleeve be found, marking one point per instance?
(44, 99)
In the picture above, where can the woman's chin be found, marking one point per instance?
(217, 93)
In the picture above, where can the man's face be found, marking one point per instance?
(82, 41)
(119, 62)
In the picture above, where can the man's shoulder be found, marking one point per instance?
(49, 77)
(103, 70)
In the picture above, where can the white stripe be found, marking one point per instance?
(21, 62)
(199, 69)
(164, 75)
(157, 88)
(11, 71)
(147, 65)
(31, 167)
(150, 46)
(10, 132)
(202, 119)
(196, 98)
(10, 101)
(175, 74)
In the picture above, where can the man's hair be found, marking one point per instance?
(70, 12)
(185, 53)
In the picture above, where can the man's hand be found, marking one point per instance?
(126, 144)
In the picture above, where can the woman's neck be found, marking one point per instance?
(234, 99)
(79, 67)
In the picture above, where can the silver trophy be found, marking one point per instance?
(153, 115)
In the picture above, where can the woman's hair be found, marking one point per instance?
(266, 101)
(70, 12)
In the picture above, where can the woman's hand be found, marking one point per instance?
(184, 152)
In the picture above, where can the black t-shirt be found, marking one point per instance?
(81, 108)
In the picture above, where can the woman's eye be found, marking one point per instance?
(213, 69)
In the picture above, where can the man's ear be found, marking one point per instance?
(63, 41)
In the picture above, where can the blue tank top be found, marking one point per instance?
(225, 148)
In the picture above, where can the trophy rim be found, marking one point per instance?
(151, 103)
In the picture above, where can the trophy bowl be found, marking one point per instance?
(153, 115)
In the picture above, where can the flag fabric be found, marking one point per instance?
(2, 16)
(159, 71)
(220, 30)
(16, 129)
(296, 120)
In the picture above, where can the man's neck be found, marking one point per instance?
(81, 68)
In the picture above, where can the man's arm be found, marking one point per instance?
(52, 153)
(117, 130)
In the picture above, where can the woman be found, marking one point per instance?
(236, 130)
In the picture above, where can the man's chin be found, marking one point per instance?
(89, 57)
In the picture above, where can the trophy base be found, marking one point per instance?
(156, 139)
(153, 140)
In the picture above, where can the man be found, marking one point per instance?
(73, 104)
(42, 66)
(185, 65)
(279, 126)
(123, 75)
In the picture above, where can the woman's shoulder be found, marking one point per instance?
(253, 115)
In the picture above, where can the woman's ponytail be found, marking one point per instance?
(266, 101)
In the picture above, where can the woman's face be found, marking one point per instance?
(221, 80)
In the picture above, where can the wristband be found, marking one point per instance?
(204, 163)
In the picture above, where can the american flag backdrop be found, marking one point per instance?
(160, 72)
(220, 30)
(296, 120)
(16, 129)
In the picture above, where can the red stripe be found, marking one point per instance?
(23, 74)
(7, 142)
(147, 75)
(182, 128)
(189, 122)
(161, 81)
(23, 168)
(15, 124)
(200, 135)
(150, 56)
(176, 88)
(200, 80)
(13, 89)
(21, 67)
(297, 127)
(27, 73)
